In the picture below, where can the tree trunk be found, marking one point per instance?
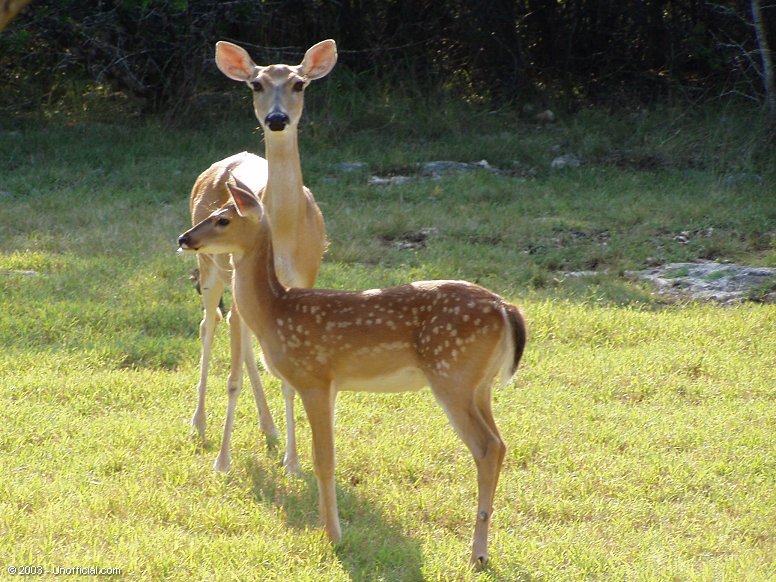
(765, 54)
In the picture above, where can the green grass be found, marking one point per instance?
(639, 432)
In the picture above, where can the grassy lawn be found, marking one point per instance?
(640, 432)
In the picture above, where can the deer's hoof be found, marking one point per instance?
(221, 465)
(292, 468)
(198, 427)
(480, 562)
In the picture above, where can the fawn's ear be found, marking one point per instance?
(246, 203)
(319, 60)
(234, 61)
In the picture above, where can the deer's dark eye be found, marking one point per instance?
(256, 86)
(222, 221)
(299, 86)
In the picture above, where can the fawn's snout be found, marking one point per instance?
(184, 242)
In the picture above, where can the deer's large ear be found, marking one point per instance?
(247, 204)
(319, 60)
(234, 62)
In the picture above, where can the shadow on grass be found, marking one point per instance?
(372, 547)
(201, 445)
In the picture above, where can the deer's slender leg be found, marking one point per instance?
(211, 288)
(291, 458)
(233, 388)
(319, 405)
(472, 418)
(266, 423)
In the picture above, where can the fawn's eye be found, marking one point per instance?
(222, 221)
(257, 86)
(299, 86)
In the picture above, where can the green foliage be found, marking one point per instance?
(157, 55)
(639, 433)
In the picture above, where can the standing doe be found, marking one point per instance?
(454, 336)
(298, 236)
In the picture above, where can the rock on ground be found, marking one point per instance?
(709, 280)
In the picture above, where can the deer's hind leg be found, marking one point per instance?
(469, 411)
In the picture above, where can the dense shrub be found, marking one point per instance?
(159, 52)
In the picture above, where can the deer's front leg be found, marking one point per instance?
(211, 288)
(319, 406)
(233, 388)
(266, 423)
(291, 458)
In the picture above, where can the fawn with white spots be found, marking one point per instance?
(298, 237)
(453, 336)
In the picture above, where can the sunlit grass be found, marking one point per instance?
(639, 433)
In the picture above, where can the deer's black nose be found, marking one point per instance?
(276, 121)
(183, 240)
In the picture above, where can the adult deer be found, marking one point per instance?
(454, 336)
(278, 99)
